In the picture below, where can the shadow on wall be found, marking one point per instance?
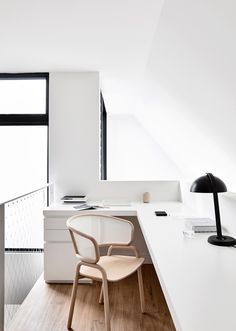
(186, 98)
(132, 153)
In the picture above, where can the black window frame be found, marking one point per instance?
(29, 119)
(26, 119)
(103, 138)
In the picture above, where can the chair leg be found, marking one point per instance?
(106, 305)
(101, 296)
(141, 291)
(73, 297)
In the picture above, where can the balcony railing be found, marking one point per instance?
(21, 249)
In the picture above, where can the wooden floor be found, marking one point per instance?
(46, 307)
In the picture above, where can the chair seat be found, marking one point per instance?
(117, 267)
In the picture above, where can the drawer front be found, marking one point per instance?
(59, 262)
(55, 223)
(57, 235)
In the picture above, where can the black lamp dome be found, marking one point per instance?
(203, 184)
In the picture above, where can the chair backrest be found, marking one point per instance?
(91, 231)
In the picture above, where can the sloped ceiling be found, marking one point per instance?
(170, 63)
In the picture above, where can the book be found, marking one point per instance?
(74, 199)
(200, 224)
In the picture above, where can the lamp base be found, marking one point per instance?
(224, 241)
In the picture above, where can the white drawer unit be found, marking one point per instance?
(59, 257)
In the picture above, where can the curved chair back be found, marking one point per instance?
(91, 231)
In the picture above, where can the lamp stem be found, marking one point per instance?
(216, 205)
(217, 215)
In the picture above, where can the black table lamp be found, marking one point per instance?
(212, 184)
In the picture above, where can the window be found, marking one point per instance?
(23, 132)
(103, 138)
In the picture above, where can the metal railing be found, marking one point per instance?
(21, 249)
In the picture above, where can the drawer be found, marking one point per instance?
(55, 223)
(59, 262)
(57, 235)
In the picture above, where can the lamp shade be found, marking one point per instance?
(203, 184)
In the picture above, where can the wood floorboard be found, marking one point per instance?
(46, 308)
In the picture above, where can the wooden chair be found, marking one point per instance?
(89, 232)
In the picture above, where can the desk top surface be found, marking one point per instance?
(198, 279)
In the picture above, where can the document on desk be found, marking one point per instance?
(84, 206)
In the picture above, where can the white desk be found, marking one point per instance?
(198, 279)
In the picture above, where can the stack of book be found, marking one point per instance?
(200, 224)
(74, 199)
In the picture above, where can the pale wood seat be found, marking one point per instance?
(89, 232)
(117, 267)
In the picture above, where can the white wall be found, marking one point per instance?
(186, 97)
(132, 153)
(190, 82)
(74, 128)
(74, 144)
(188, 90)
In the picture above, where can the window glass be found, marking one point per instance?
(23, 133)
(23, 164)
(22, 96)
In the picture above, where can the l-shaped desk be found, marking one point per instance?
(197, 279)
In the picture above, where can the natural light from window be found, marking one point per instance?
(22, 96)
(23, 165)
